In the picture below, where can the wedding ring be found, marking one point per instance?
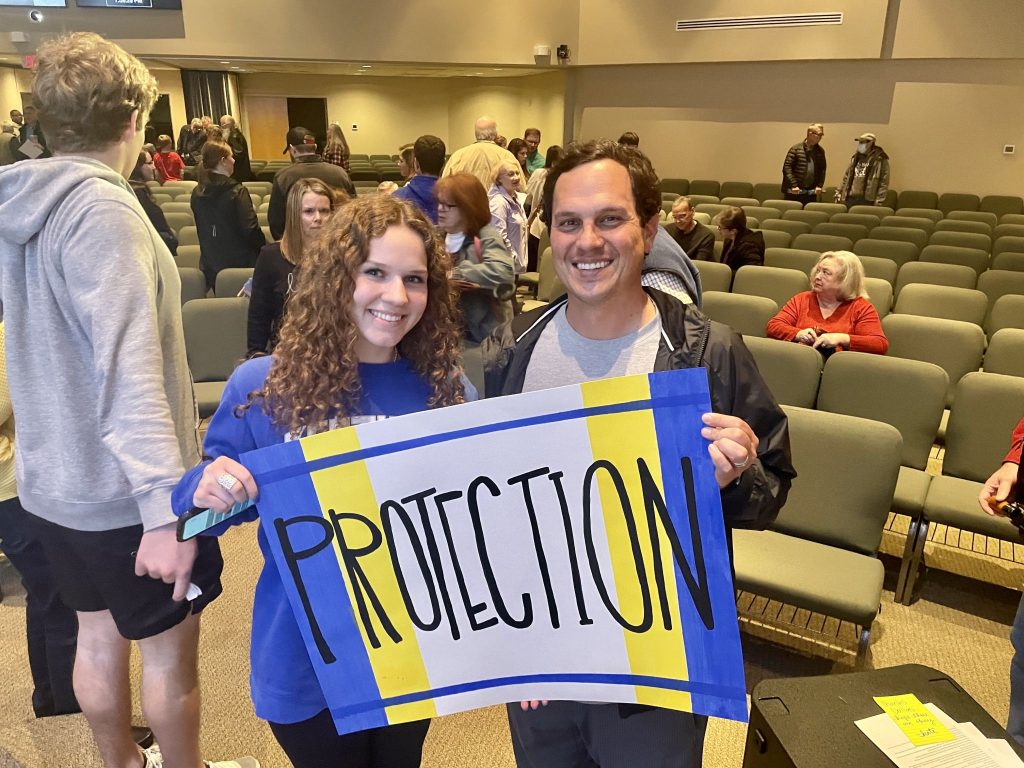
(742, 464)
(226, 481)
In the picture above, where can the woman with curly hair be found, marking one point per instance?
(371, 331)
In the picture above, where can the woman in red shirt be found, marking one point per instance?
(169, 165)
(835, 314)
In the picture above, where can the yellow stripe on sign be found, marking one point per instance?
(398, 667)
(622, 438)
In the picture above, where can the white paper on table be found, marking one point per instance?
(31, 149)
(961, 752)
(1000, 751)
(1004, 753)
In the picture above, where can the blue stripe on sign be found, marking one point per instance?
(705, 689)
(283, 473)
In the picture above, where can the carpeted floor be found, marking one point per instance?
(960, 626)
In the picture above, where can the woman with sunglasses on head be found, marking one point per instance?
(370, 332)
(310, 204)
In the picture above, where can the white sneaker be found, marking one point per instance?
(238, 762)
(151, 757)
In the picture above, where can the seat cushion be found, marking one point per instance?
(808, 575)
(911, 490)
(208, 394)
(953, 501)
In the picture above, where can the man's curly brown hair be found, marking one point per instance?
(315, 373)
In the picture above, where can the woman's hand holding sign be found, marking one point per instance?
(733, 446)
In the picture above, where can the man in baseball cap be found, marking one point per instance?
(866, 181)
(306, 164)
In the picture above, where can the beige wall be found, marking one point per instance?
(643, 31)
(943, 123)
(169, 82)
(930, 29)
(10, 96)
(394, 111)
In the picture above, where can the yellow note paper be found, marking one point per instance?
(914, 719)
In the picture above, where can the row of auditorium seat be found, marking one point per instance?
(946, 202)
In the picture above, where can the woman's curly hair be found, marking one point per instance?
(315, 374)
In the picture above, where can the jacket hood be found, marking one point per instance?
(216, 185)
(30, 191)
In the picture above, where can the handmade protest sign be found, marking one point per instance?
(562, 544)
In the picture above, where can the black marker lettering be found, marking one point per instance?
(386, 510)
(292, 557)
(471, 609)
(538, 545)
(570, 543)
(435, 555)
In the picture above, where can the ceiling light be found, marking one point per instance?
(367, 66)
(225, 62)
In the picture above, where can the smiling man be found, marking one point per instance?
(602, 205)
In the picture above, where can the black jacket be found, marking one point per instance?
(304, 167)
(794, 168)
(746, 248)
(155, 214)
(689, 340)
(190, 145)
(229, 232)
(271, 284)
(240, 149)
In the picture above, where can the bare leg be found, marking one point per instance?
(170, 692)
(103, 689)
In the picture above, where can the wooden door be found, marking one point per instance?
(267, 118)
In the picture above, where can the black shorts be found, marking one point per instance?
(95, 571)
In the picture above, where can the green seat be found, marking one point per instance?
(1002, 204)
(853, 232)
(958, 201)
(829, 208)
(791, 371)
(779, 285)
(765, 190)
(230, 281)
(985, 217)
(895, 250)
(679, 186)
(705, 187)
(1005, 353)
(997, 282)
(956, 225)
(711, 209)
(879, 294)
(736, 189)
(964, 304)
(178, 220)
(188, 236)
(714, 276)
(1011, 218)
(822, 556)
(739, 201)
(1009, 260)
(1008, 243)
(1006, 312)
(953, 345)
(918, 199)
(215, 342)
(878, 267)
(792, 228)
(878, 211)
(974, 240)
(975, 258)
(775, 239)
(193, 284)
(952, 275)
(747, 315)
(188, 256)
(822, 243)
(911, 222)
(761, 212)
(972, 454)
(782, 205)
(916, 236)
(696, 199)
(869, 222)
(1011, 230)
(807, 217)
(919, 213)
(791, 258)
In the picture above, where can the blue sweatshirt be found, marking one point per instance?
(419, 190)
(282, 681)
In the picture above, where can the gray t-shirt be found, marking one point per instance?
(562, 356)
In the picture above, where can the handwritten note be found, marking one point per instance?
(914, 719)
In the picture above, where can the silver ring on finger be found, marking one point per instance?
(742, 464)
(227, 482)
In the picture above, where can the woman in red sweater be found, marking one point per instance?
(835, 314)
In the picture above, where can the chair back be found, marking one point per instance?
(1005, 353)
(954, 275)
(1005, 312)
(822, 243)
(958, 201)
(848, 469)
(964, 304)
(791, 371)
(917, 199)
(986, 409)
(215, 336)
(188, 256)
(736, 189)
(747, 315)
(894, 250)
(1008, 260)
(1001, 205)
(878, 267)
(779, 285)
(807, 217)
(997, 282)
(878, 211)
(853, 232)
(188, 236)
(230, 281)
(829, 208)
(714, 276)
(917, 237)
(879, 294)
(988, 217)
(908, 394)
(954, 346)
(791, 258)
(193, 284)
(975, 258)
(978, 240)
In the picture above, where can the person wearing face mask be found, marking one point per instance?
(866, 181)
(310, 204)
(229, 232)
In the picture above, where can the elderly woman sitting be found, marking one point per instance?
(835, 314)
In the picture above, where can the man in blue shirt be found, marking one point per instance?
(428, 161)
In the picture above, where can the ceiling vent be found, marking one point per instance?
(761, 22)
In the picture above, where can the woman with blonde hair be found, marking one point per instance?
(309, 206)
(336, 151)
(370, 332)
(835, 314)
(507, 214)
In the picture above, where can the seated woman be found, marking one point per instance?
(229, 232)
(742, 246)
(507, 214)
(370, 332)
(145, 171)
(483, 269)
(835, 314)
(309, 206)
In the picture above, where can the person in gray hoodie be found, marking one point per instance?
(90, 297)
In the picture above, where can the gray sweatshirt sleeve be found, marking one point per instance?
(114, 300)
(495, 265)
